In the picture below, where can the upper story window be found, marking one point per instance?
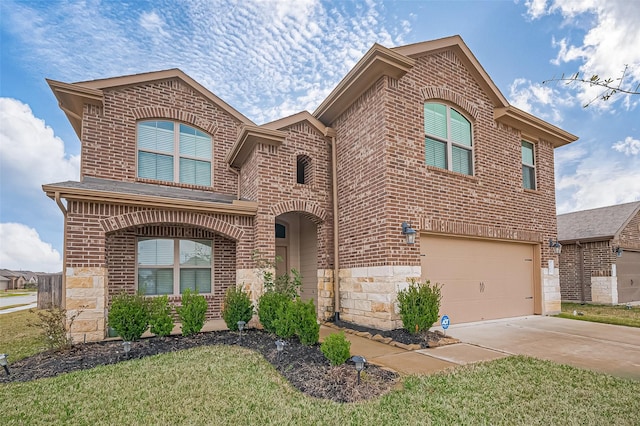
(303, 169)
(448, 142)
(528, 166)
(170, 266)
(173, 152)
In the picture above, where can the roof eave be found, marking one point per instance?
(533, 127)
(377, 62)
(295, 119)
(248, 139)
(239, 207)
(71, 100)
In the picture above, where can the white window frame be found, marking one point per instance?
(176, 155)
(531, 166)
(450, 143)
(176, 267)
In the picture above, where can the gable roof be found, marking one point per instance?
(297, 118)
(72, 96)
(603, 223)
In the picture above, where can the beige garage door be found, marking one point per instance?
(628, 271)
(481, 279)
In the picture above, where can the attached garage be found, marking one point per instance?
(482, 279)
(628, 271)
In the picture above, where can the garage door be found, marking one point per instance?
(628, 271)
(481, 279)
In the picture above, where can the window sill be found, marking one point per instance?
(471, 178)
(531, 191)
(175, 184)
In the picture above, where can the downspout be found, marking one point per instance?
(64, 211)
(336, 234)
(581, 270)
(237, 172)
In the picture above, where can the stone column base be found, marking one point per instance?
(604, 290)
(86, 303)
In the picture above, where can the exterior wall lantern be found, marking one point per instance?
(557, 247)
(617, 250)
(409, 232)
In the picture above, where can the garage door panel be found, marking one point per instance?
(628, 271)
(481, 279)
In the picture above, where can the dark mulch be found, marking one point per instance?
(305, 367)
(426, 339)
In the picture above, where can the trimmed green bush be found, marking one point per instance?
(285, 321)
(268, 306)
(160, 318)
(336, 348)
(307, 327)
(192, 312)
(419, 306)
(237, 307)
(129, 316)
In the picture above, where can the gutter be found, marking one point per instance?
(336, 231)
(64, 211)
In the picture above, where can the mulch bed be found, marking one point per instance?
(305, 367)
(427, 339)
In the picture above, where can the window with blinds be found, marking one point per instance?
(170, 266)
(448, 142)
(174, 152)
(528, 166)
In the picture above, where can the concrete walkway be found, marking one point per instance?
(28, 302)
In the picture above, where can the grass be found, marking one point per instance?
(17, 338)
(616, 315)
(230, 385)
(3, 308)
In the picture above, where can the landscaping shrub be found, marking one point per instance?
(285, 320)
(160, 318)
(53, 325)
(307, 327)
(129, 316)
(268, 306)
(419, 306)
(237, 307)
(192, 312)
(288, 285)
(336, 348)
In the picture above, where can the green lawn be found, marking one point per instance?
(18, 339)
(617, 315)
(220, 385)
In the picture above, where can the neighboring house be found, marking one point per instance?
(600, 259)
(15, 280)
(178, 190)
(4, 282)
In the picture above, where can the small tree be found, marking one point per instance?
(419, 306)
(55, 327)
(237, 307)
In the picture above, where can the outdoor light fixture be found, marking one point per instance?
(617, 250)
(127, 347)
(241, 325)
(557, 247)
(3, 362)
(409, 232)
(359, 362)
(280, 347)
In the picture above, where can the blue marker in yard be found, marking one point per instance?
(444, 322)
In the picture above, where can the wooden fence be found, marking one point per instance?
(49, 291)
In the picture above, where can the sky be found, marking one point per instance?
(270, 59)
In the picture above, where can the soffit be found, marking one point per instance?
(248, 139)
(533, 127)
(377, 62)
(72, 98)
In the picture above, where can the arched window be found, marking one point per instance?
(303, 169)
(173, 152)
(448, 139)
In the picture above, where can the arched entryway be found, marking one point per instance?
(297, 248)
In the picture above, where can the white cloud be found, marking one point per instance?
(30, 153)
(629, 146)
(260, 56)
(537, 99)
(588, 177)
(610, 43)
(22, 249)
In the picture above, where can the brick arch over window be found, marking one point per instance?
(149, 217)
(434, 92)
(311, 210)
(152, 112)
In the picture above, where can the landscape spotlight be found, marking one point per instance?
(127, 347)
(359, 362)
(280, 347)
(3, 362)
(241, 325)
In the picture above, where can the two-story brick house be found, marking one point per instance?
(178, 190)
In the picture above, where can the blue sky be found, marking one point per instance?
(269, 59)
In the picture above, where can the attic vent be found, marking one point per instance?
(303, 170)
(393, 83)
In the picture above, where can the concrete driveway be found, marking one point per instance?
(600, 347)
